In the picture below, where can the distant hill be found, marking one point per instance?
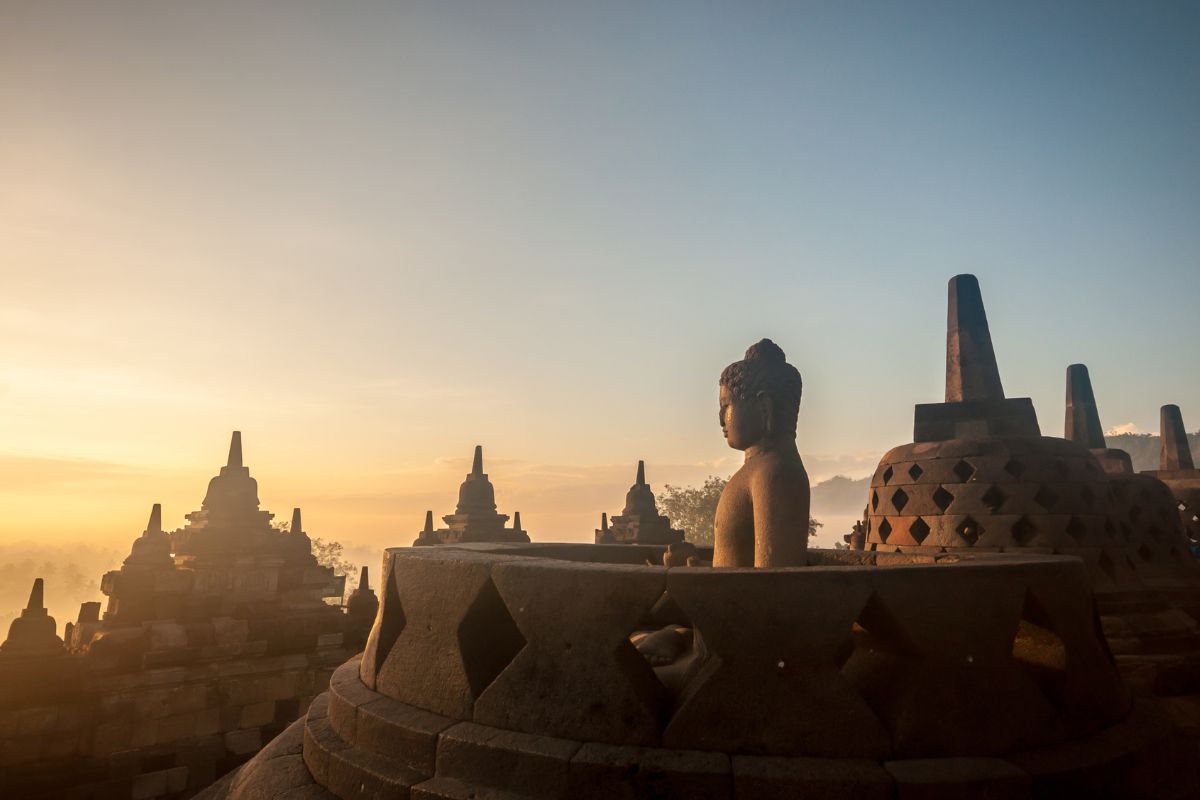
(1143, 447)
(840, 496)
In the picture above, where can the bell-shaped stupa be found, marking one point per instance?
(475, 519)
(639, 522)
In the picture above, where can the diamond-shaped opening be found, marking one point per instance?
(1089, 497)
(874, 501)
(887, 475)
(1135, 513)
(1040, 650)
(1076, 529)
(1146, 554)
(664, 638)
(1063, 468)
(1107, 566)
(993, 499)
(488, 639)
(919, 529)
(874, 646)
(964, 471)
(1023, 531)
(900, 499)
(1046, 497)
(885, 530)
(1014, 468)
(942, 498)
(389, 621)
(915, 471)
(969, 530)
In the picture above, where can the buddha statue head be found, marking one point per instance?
(760, 398)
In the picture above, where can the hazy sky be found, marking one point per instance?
(372, 235)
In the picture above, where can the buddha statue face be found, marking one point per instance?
(745, 421)
(760, 398)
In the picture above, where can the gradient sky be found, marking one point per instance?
(371, 237)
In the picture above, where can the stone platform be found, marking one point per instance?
(866, 674)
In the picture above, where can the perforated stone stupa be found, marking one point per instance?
(1178, 471)
(475, 519)
(639, 522)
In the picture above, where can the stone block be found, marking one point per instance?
(953, 778)
(592, 683)
(768, 778)
(601, 771)
(355, 773)
(242, 742)
(177, 779)
(257, 714)
(208, 721)
(329, 640)
(177, 728)
(112, 737)
(37, 721)
(734, 702)
(149, 785)
(530, 765)
(390, 727)
(167, 635)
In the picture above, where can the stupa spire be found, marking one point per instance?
(297, 527)
(36, 596)
(154, 525)
(971, 370)
(641, 474)
(604, 521)
(364, 580)
(235, 450)
(516, 520)
(1082, 424)
(477, 463)
(428, 522)
(1174, 452)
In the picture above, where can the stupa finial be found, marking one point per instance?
(364, 580)
(1083, 417)
(297, 527)
(516, 520)
(36, 597)
(428, 522)
(641, 474)
(235, 450)
(154, 525)
(1174, 452)
(604, 521)
(477, 464)
(971, 370)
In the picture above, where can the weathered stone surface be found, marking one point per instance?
(639, 522)
(590, 682)
(953, 778)
(604, 771)
(773, 778)
(771, 684)
(533, 766)
(457, 634)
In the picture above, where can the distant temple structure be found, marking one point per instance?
(475, 519)
(640, 522)
(215, 638)
(1177, 470)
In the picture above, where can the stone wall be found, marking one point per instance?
(163, 732)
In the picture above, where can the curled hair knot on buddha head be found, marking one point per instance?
(765, 369)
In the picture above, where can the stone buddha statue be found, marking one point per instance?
(762, 516)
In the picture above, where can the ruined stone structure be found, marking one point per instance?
(1178, 471)
(869, 674)
(215, 638)
(475, 519)
(639, 522)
